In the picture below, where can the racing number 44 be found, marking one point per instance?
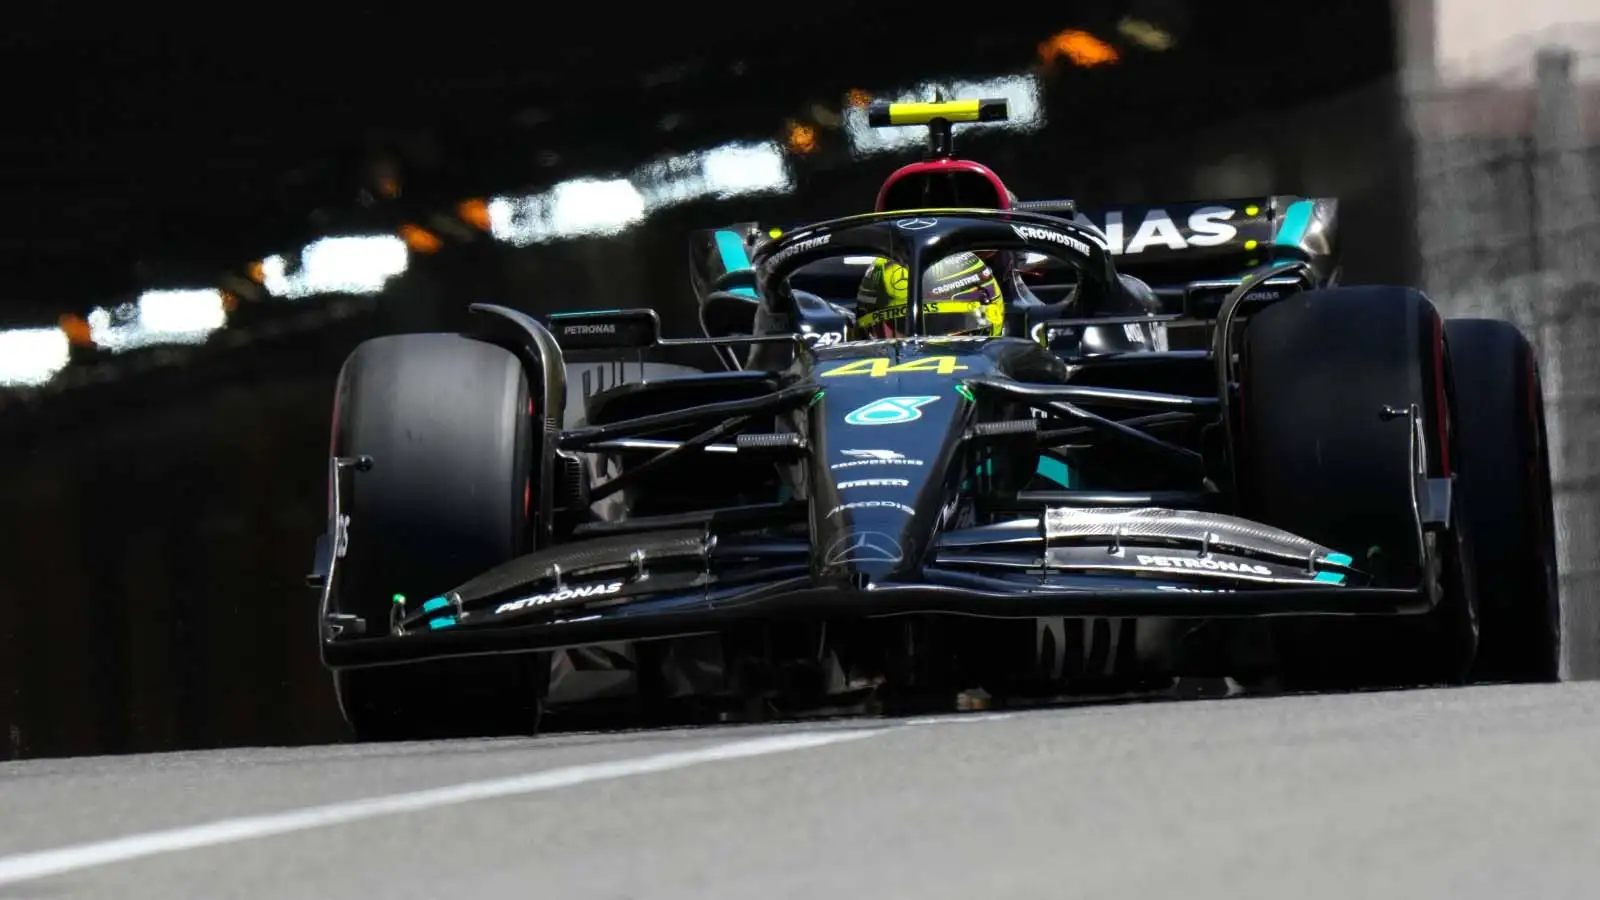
(879, 368)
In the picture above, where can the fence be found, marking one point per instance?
(1508, 199)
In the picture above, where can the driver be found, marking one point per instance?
(960, 296)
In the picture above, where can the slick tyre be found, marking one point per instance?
(1506, 471)
(447, 423)
(1322, 454)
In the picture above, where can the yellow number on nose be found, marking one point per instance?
(878, 368)
(943, 365)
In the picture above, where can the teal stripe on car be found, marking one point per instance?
(435, 603)
(734, 258)
(731, 248)
(1048, 468)
(1055, 470)
(1296, 219)
(1330, 577)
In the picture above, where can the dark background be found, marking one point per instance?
(158, 506)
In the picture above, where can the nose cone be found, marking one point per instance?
(880, 469)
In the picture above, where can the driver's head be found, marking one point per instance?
(960, 295)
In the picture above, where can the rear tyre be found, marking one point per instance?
(1506, 470)
(446, 421)
(1319, 456)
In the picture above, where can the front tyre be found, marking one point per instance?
(1323, 456)
(448, 424)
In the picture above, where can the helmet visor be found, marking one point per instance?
(946, 318)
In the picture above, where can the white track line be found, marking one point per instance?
(29, 866)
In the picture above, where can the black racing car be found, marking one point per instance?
(1338, 487)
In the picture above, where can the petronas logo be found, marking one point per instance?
(889, 411)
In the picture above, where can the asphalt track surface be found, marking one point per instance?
(1473, 792)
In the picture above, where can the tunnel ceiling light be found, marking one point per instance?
(157, 318)
(802, 138)
(593, 208)
(76, 330)
(419, 239)
(583, 207)
(730, 170)
(1079, 48)
(30, 357)
(736, 170)
(474, 212)
(338, 265)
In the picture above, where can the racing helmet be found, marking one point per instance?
(960, 296)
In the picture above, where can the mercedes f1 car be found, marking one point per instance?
(1333, 486)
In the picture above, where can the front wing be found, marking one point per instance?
(688, 581)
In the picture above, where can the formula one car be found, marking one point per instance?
(1336, 487)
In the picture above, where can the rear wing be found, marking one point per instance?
(1191, 253)
(1194, 253)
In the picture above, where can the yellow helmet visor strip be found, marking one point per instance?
(993, 312)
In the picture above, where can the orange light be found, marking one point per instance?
(420, 239)
(76, 330)
(859, 98)
(257, 272)
(229, 301)
(389, 187)
(802, 137)
(1081, 47)
(474, 213)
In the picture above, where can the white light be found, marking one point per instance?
(597, 208)
(182, 312)
(338, 265)
(30, 357)
(519, 221)
(676, 179)
(731, 170)
(734, 170)
(1021, 92)
(570, 209)
(159, 317)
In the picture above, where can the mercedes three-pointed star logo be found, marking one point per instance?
(864, 546)
(916, 224)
